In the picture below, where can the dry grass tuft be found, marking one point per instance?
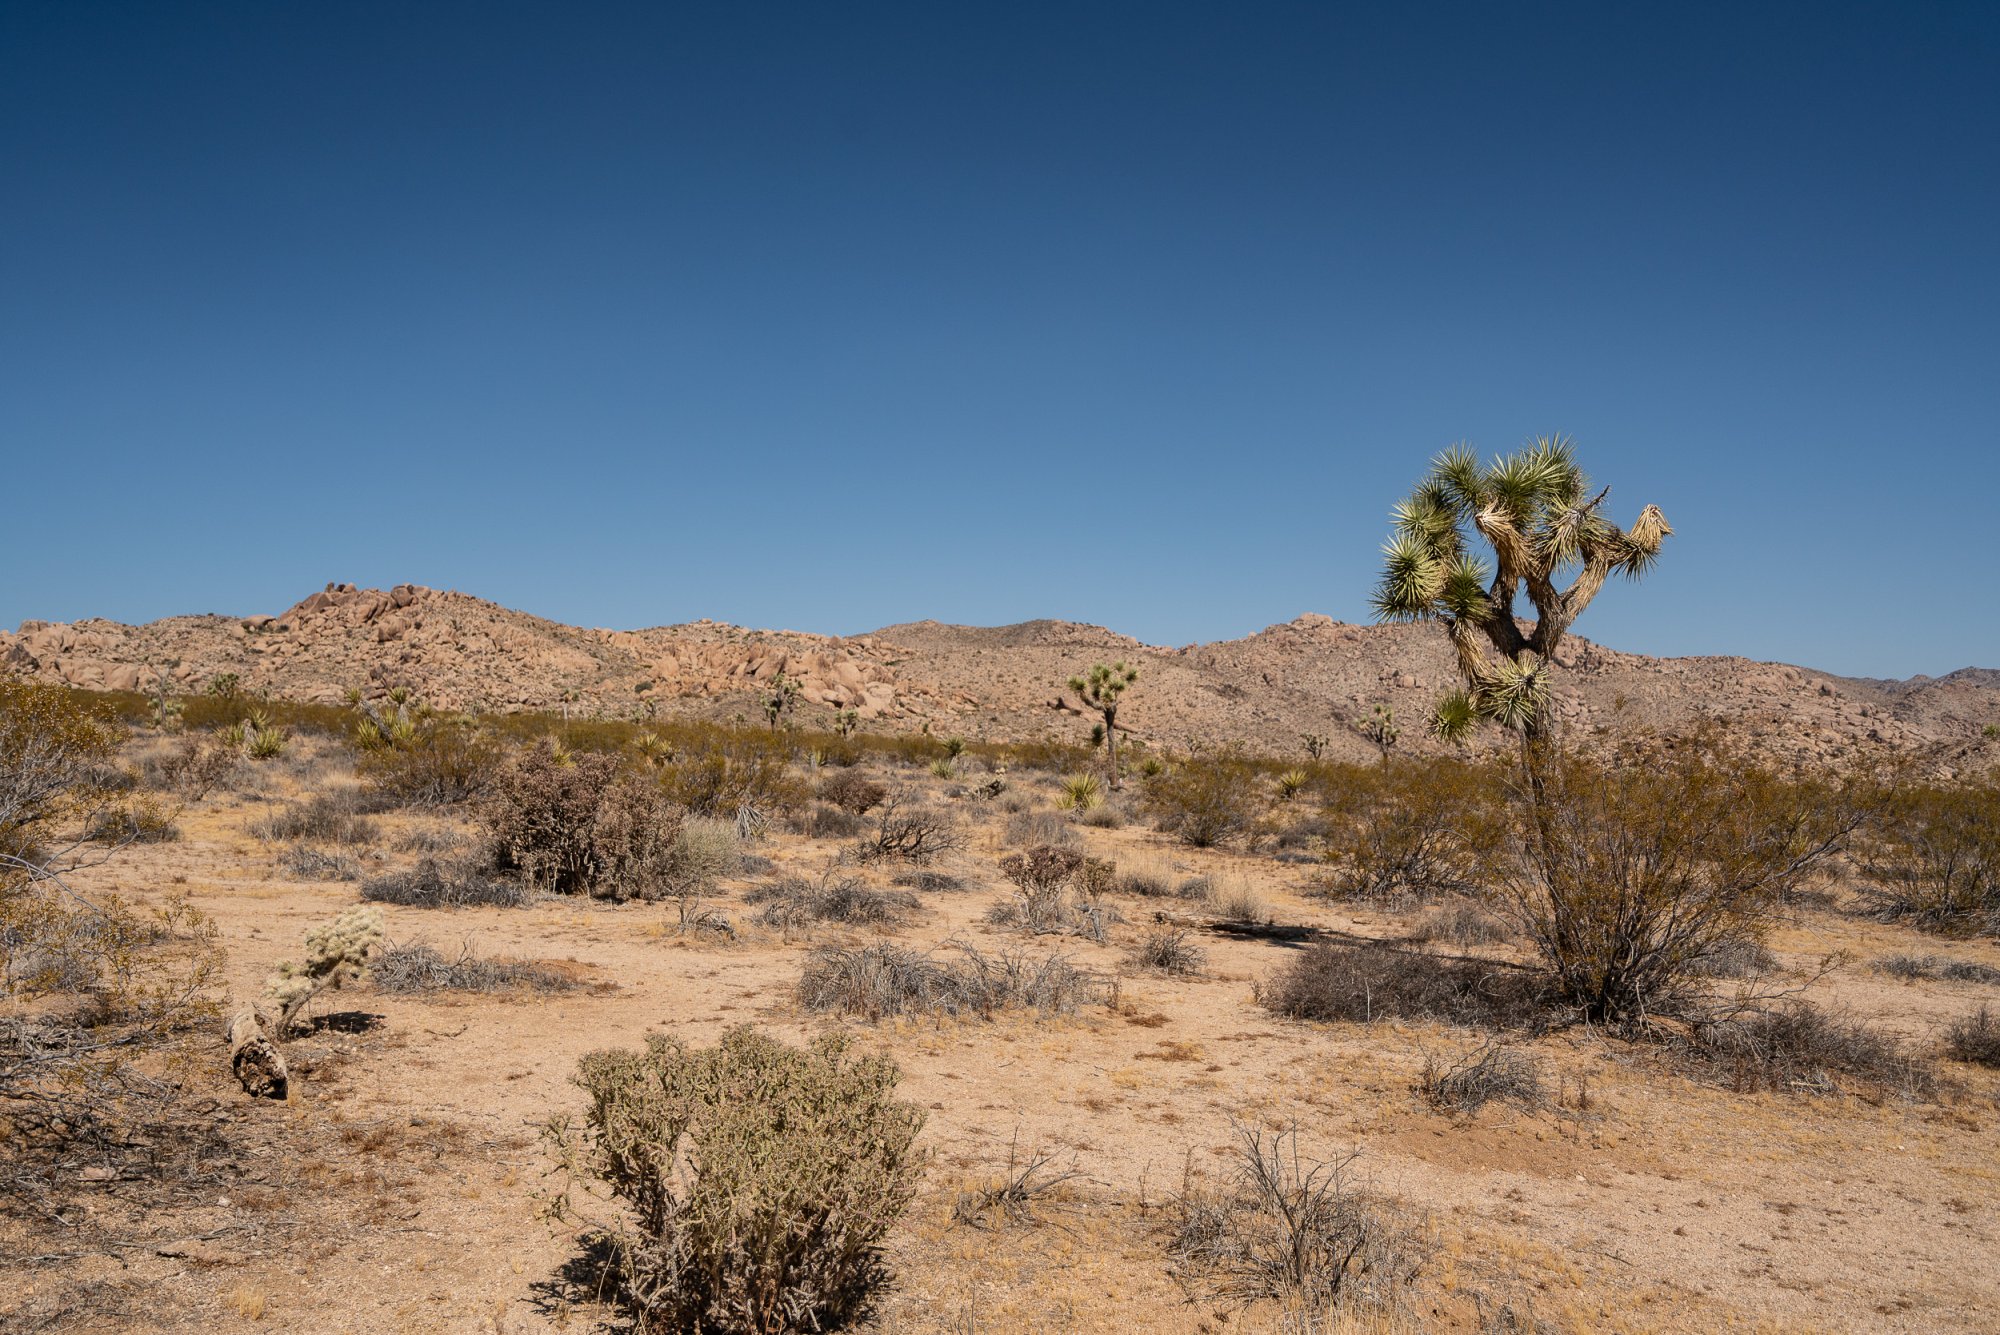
(885, 979)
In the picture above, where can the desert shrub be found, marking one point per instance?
(944, 768)
(428, 760)
(1011, 1195)
(337, 953)
(1281, 1227)
(931, 881)
(1461, 922)
(822, 820)
(1150, 880)
(851, 791)
(433, 884)
(1034, 829)
(1733, 957)
(1968, 971)
(1057, 891)
(1933, 858)
(1104, 816)
(1628, 877)
(432, 839)
(907, 827)
(1469, 1082)
(193, 767)
(142, 820)
(1911, 968)
(795, 902)
(1170, 950)
(1206, 801)
(585, 824)
(418, 967)
(1797, 1046)
(885, 979)
(1337, 981)
(728, 772)
(1410, 832)
(305, 862)
(101, 998)
(1200, 888)
(757, 1180)
(1234, 901)
(1908, 967)
(335, 816)
(701, 854)
(1976, 1039)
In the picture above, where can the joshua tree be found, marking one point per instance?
(845, 721)
(784, 694)
(1315, 744)
(1100, 691)
(1536, 512)
(1380, 728)
(570, 695)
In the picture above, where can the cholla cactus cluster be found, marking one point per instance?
(336, 954)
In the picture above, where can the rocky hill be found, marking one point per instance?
(1310, 675)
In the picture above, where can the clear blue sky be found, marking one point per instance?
(832, 315)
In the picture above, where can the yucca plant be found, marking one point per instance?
(944, 768)
(1100, 691)
(267, 743)
(1291, 782)
(1535, 511)
(1080, 792)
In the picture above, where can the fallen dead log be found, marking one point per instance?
(258, 1065)
(1261, 931)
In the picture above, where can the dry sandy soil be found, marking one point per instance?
(395, 1189)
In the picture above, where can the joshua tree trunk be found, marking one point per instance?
(1111, 743)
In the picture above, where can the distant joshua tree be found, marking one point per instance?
(1100, 691)
(845, 721)
(1535, 511)
(1314, 743)
(784, 693)
(1380, 728)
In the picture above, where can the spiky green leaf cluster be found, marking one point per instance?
(1105, 684)
(1536, 512)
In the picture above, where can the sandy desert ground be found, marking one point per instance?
(396, 1188)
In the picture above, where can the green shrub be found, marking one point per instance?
(1933, 859)
(1206, 801)
(725, 773)
(428, 761)
(1410, 832)
(757, 1180)
(1631, 878)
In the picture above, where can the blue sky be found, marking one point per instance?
(830, 316)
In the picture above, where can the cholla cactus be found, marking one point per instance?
(1100, 691)
(1534, 510)
(336, 954)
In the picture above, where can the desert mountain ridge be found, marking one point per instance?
(1264, 691)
